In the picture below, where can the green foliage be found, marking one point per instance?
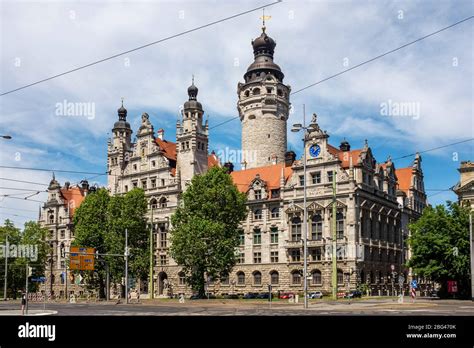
(100, 222)
(205, 229)
(440, 246)
(33, 234)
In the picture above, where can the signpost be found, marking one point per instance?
(81, 259)
(452, 287)
(414, 286)
(401, 281)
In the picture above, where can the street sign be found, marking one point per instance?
(39, 279)
(452, 286)
(414, 284)
(81, 258)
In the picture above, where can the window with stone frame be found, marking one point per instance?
(330, 176)
(257, 214)
(274, 235)
(340, 225)
(317, 227)
(296, 278)
(274, 256)
(296, 229)
(241, 258)
(163, 260)
(144, 184)
(301, 179)
(257, 278)
(240, 278)
(316, 278)
(163, 235)
(51, 219)
(153, 182)
(340, 277)
(316, 178)
(182, 278)
(316, 254)
(241, 237)
(163, 202)
(257, 257)
(257, 236)
(134, 184)
(275, 193)
(258, 194)
(63, 234)
(274, 278)
(295, 255)
(275, 212)
(153, 203)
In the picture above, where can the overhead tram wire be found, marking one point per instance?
(142, 47)
(364, 63)
(435, 148)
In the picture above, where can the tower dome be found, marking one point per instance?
(122, 114)
(192, 103)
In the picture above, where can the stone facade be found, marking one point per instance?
(465, 187)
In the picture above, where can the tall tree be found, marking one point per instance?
(205, 227)
(440, 246)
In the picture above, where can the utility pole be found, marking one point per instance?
(150, 286)
(126, 266)
(334, 238)
(107, 281)
(26, 286)
(472, 255)
(6, 269)
(305, 217)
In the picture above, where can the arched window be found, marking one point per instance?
(257, 278)
(295, 229)
(163, 202)
(274, 277)
(240, 278)
(153, 204)
(275, 212)
(51, 219)
(256, 91)
(225, 279)
(247, 93)
(317, 227)
(296, 277)
(257, 214)
(316, 277)
(182, 278)
(340, 277)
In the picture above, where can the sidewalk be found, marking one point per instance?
(31, 312)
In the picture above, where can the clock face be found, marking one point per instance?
(314, 150)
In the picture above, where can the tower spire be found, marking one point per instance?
(263, 20)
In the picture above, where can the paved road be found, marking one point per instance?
(239, 308)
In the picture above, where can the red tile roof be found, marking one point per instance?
(212, 160)
(168, 148)
(404, 176)
(270, 174)
(74, 197)
(345, 156)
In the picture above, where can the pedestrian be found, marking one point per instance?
(23, 303)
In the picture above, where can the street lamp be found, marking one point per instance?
(297, 127)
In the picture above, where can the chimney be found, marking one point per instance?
(345, 146)
(161, 133)
(290, 157)
(66, 185)
(229, 166)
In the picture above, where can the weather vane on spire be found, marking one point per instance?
(122, 100)
(263, 18)
(193, 79)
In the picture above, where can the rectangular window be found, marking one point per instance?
(316, 178)
(153, 183)
(275, 212)
(241, 238)
(330, 175)
(162, 182)
(301, 177)
(126, 188)
(63, 234)
(316, 254)
(295, 255)
(274, 235)
(257, 236)
(241, 258)
(144, 184)
(134, 184)
(317, 228)
(153, 163)
(63, 264)
(275, 193)
(258, 194)
(257, 214)
(257, 257)
(163, 260)
(274, 256)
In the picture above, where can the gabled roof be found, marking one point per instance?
(73, 197)
(270, 174)
(345, 156)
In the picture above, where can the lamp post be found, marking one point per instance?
(150, 286)
(296, 128)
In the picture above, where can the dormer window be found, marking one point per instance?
(258, 194)
(275, 193)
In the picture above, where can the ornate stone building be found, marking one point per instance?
(56, 215)
(375, 200)
(465, 187)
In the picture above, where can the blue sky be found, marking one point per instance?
(315, 39)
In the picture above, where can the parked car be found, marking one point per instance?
(263, 295)
(286, 295)
(433, 294)
(250, 295)
(316, 294)
(354, 294)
